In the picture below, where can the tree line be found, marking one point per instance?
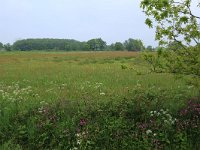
(74, 45)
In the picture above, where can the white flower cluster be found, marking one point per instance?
(149, 132)
(14, 93)
(164, 116)
(86, 84)
(79, 140)
(97, 86)
(41, 109)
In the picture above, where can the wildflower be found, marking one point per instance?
(148, 132)
(102, 93)
(78, 134)
(164, 112)
(165, 121)
(78, 142)
(190, 87)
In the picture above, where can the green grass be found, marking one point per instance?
(72, 86)
(75, 70)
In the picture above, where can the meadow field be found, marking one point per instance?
(93, 100)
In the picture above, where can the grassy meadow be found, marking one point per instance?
(93, 100)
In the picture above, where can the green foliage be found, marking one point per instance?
(118, 46)
(124, 67)
(134, 45)
(58, 100)
(144, 119)
(49, 44)
(174, 46)
(177, 26)
(74, 45)
(96, 44)
(175, 20)
(150, 48)
(1, 45)
(180, 62)
(154, 60)
(183, 61)
(7, 47)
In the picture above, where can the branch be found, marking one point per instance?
(190, 12)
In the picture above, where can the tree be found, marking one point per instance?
(92, 44)
(175, 20)
(111, 47)
(118, 46)
(1, 45)
(7, 47)
(149, 48)
(49, 44)
(174, 46)
(134, 45)
(178, 28)
(96, 44)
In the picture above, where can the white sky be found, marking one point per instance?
(112, 20)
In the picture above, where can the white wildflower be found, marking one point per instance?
(102, 93)
(148, 132)
(78, 142)
(78, 135)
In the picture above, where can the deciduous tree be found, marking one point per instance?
(176, 26)
(134, 45)
(96, 44)
(1, 45)
(174, 20)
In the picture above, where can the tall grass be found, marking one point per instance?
(88, 100)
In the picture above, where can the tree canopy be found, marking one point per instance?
(96, 44)
(1, 45)
(118, 46)
(177, 27)
(149, 48)
(48, 44)
(7, 47)
(174, 19)
(134, 45)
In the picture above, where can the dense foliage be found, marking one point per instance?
(177, 28)
(118, 46)
(144, 119)
(49, 44)
(149, 48)
(1, 46)
(134, 45)
(175, 20)
(72, 45)
(96, 44)
(93, 103)
(58, 100)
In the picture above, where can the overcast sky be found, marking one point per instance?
(112, 20)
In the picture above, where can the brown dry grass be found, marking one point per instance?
(28, 56)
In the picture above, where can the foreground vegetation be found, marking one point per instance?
(93, 100)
